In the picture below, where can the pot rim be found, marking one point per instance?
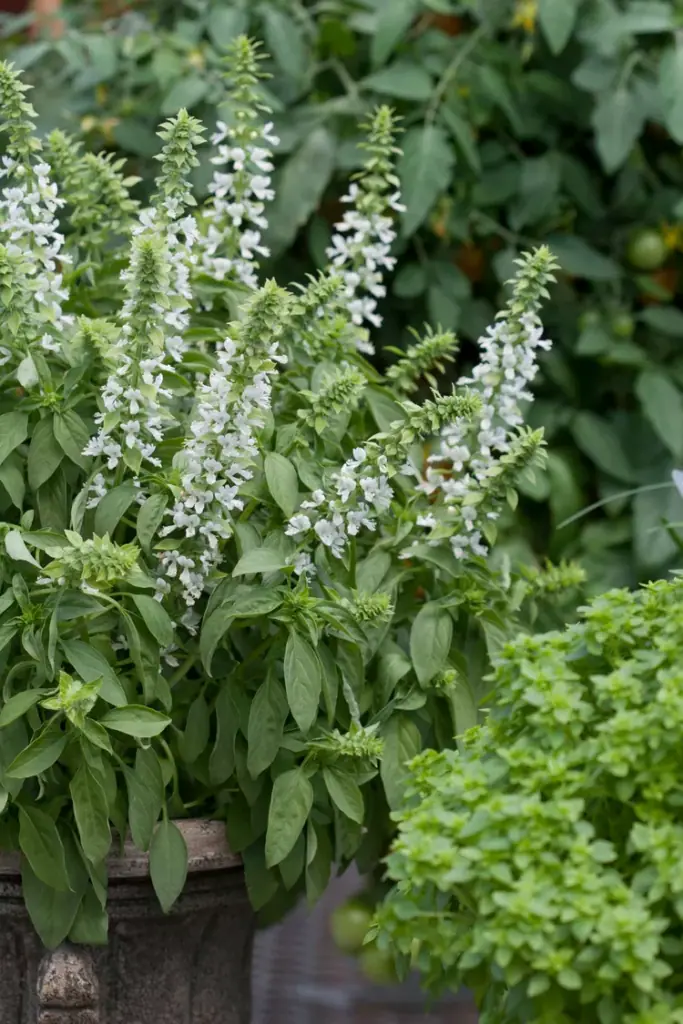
(207, 850)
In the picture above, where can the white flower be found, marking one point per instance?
(332, 534)
(303, 565)
(236, 215)
(216, 461)
(297, 525)
(377, 492)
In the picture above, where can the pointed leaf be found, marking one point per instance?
(425, 170)
(303, 680)
(290, 805)
(168, 864)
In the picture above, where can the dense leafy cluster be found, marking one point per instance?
(211, 603)
(541, 865)
(527, 121)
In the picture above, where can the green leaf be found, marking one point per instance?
(13, 431)
(385, 411)
(136, 720)
(290, 805)
(96, 734)
(267, 716)
(599, 441)
(405, 80)
(38, 756)
(345, 793)
(410, 281)
(187, 92)
(463, 707)
(662, 404)
(665, 319)
(12, 479)
(156, 619)
(52, 912)
(282, 482)
(262, 884)
(44, 454)
(18, 705)
(145, 796)
(371, 571)
(303, 680)
(539, 186)
(112, 507)
(8, 630)
(430, 642)
(195, 738)
(319, 863)
(42, 846)
(51, 501)
(285, 41)
(72, 436)
(168, 863)
(17, 550)
(653, 547)
(222, 760)
(91, 925)
(90, 811)
(393, 21)
(300, 185)
(461, 130)
(261, 560)
(425, 170)
(671, 89)
(557, 19)
(402, 742)
(213, 631)
(27, 374)
(225, 24)
(90, 665)
(150, 517)
(580, 259)
(618, 119)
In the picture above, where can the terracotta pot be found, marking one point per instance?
(190, 967)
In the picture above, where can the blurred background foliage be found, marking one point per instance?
(525, 121)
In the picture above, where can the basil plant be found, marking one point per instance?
(245, 576)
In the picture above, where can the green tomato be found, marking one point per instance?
(349, 925)
(591, 318)
(623, 325)
(646, 250)
(377, 966)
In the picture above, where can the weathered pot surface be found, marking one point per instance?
(190, 967)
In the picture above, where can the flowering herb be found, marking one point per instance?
(540, 866)
(206, 603)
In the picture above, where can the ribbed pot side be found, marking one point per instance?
(190, 967)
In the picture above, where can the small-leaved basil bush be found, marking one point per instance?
(232, 584)
(540, 866)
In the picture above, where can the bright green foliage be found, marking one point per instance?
(210, 602)
(526, 122)
(541, 866)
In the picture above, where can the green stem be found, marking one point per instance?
(451, 71)
(182, 670)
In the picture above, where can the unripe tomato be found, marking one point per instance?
(591, 318)
(623, 325)
(377, 966)
(647, 249)
(349, 924)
